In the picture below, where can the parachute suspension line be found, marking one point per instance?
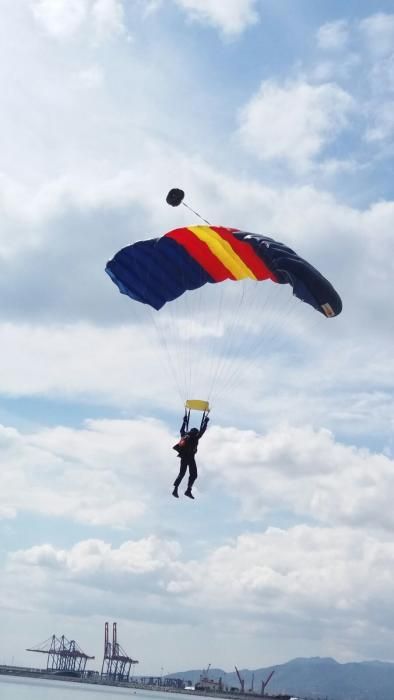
(239, 330)
(247, 351)
(161, 335)
(180, 315)
(196, 303)
(177, 348)
(297, 310)
(217, 332)
(182, 336)
(233, 333)
(196, 213)
(199, 295)
(193, 326)
(212, 319)
(236, 334)
(164, 345)
(185, 333)
(228, 339)
(266, 333)
(217, 359)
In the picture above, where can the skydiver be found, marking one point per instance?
(187, 448)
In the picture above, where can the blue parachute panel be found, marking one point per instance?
(155, 271)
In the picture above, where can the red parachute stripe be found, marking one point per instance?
(246, 253)
(201, 253)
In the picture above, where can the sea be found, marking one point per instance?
(18, 688)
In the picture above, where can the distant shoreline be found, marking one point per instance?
(132, 685)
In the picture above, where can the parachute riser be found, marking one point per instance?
(204, 416)
(187, 421)
(196, 405)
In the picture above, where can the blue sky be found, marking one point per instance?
(274, 117)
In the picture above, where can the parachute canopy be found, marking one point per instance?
(159, 270)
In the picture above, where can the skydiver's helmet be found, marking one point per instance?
(193, 432)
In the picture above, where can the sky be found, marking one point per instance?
(275, 117)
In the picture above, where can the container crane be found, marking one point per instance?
(64, 656)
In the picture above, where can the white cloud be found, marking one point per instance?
(382, 76)
(231, 17)
(83, 363)
(108, 17)
(89, 476)
(295, 122)
(363, 49)
(117, 366)
(302, 568)
(372, 58)
(97, 474)
(313, 582)
(66, 364)
(336, 68)
(149, 7)
(382, 128)
(333, 36)
(305, 472)
(378, 31)
(91, 557)
(91, 77)
(62, 19)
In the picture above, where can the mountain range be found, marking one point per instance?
(313, 678)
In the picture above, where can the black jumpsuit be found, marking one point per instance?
(186, 452)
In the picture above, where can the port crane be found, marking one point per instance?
(241, 680)
(265, 683)
(116, 663)
(251, 689)
(64, 655)
(204, 675)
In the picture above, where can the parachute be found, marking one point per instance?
(159, 270)
(184, 281)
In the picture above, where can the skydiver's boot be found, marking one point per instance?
(175, 492)
(189, 494)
